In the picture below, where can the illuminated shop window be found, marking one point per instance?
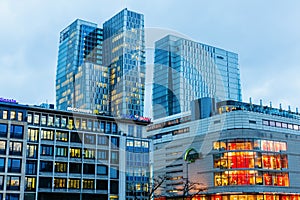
(251, 177)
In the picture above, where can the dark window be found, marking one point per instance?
(14, 165)
(89, 169)
(102, 185)
(12, 197)
(3, 130)
(130, 130)
(114, 187)
(45, 182)
(102, 170)
(46, 150)
(46, 166)
(76, 137)
(139, 131)
(114, 158)
(2, 164)
(108, 127)
(102, 155)
(75, 168)
(3, 147)
(114, 172)
(30, 167)
(114, 128)
(15, 148)
(13, 183)
(16, 131)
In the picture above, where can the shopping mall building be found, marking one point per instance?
(243, 152)
(51, 154)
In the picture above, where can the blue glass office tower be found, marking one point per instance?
(80, 43)
(186, 70)
(124, 54)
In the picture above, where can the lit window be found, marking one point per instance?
(61, 167)
(31, 151)
(4, 114)
(61, 151)
(15, 148)
(36, 119)
(74, 183)
(20, 116)
(12, 114)
(13, 183)
(88, 184)
(29, 118)
(3, 147)
(30, 183)
(75, 153)
(60, 183)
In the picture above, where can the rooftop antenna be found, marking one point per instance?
(297, 110)
(270, 104)
(250, 100)
(289, 108)
(280, 107)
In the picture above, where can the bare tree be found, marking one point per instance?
(156, 184)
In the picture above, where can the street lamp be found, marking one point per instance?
(189, 157)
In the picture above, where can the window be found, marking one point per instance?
(76, 137)
(1, 182)
(4, 114)
(89, 153)
(36, 119)
(46, 166)
(114, 128)
(30, 183)
(114, 172)
(60, 183)
(12, 197)
(20, 116)
(139, 131)
(71, 124)
(89, 139)
(46, 150)
(88, 184)
(16, 131)
(102, 126)
(33, 135)
(83, 124)
(62, 136)
(75, 153)
(47, 135)
(57, 121)
(61, 167)
(102, 170)
(14, 165)
(3, 130)
(74, 183)
(107, 128)
(45, 182)
(114, 157)
(114, 142)
(29, 118)
(102, 154)
(44, 120)
(130, 130)
(63, 122)
(13, 183)
(2, 164)
(89, 169)
(15, 148)
(12, 115)
(2, 147)
(31, 151)
(75, 168)
(30, 167)
(103, 140)
(114, 187)
(61, 151)
(102, 184)
(50, 120)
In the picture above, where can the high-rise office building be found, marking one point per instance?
(124, 54)
(80, 43)
(186, 70)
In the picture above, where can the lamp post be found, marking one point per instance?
(189, 157)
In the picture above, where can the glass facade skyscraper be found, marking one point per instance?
(124, 51)
(186, 70)
(80, 42)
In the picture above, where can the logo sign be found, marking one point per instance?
(137, 118)
(79, 110)
(7, 100)
(191, 155)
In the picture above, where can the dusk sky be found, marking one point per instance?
(265, 34)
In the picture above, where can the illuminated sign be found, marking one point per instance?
(191, 155)
(79, 110)
(137, 118)
(7, 100)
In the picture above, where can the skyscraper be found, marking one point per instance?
(80, 42)
(186, 70)
(124, 54)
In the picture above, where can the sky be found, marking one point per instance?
(265, 34)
